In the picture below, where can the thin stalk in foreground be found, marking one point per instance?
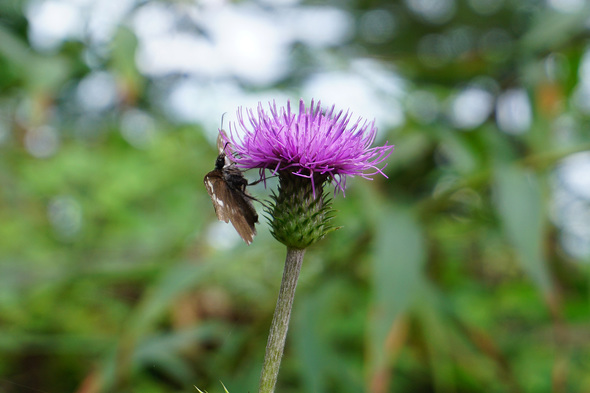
(280, 321)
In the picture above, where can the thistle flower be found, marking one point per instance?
(306, 150)
(313, 144)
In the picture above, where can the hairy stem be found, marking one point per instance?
(280, 321)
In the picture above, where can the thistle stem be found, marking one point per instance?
(280, 321)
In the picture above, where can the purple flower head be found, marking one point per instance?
(313, 144)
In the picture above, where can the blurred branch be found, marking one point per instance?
(544, 160)
(380, 380)
(551, 29)
(539, 161)
(484, 343)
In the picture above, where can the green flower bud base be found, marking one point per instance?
(298, 217)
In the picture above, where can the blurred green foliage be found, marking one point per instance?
(447, 277)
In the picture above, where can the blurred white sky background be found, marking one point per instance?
(209, 57)
(217, 47)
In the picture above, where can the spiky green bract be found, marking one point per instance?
(301, 212)
(224, 388)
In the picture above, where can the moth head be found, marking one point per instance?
(220, 161)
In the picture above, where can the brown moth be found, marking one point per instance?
(226, 186)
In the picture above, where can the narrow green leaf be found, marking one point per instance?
(397, 266)
(176, 281)
(323, 320)
(520, 205)
(550, 29)
(38, 72)
(462, 155)
(437, 338)
(309, 346)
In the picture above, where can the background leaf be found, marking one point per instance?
(398, 262)
(520, 205)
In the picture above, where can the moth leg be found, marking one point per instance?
(260, 180)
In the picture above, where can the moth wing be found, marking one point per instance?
(244, 221)
(219, 193)
(232, 205)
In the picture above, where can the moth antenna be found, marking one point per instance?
(222, 116)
